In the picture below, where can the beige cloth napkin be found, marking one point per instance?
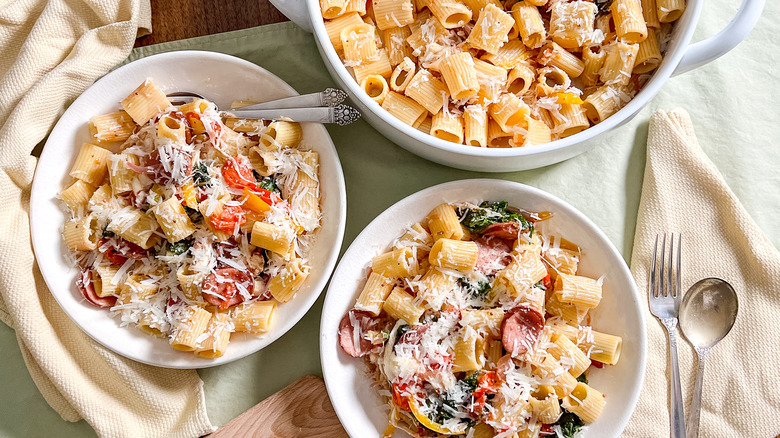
(50, 52)
(684, 192)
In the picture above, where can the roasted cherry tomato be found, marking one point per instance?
(238, 174)
(121, 251)
(227, 219)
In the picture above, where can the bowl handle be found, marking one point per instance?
(296, 11)
(718, 45)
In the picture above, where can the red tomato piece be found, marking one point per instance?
(118, 253)
(220, 287)
(402, 401)
(238, 174)
(547, 282)
(87, 289)
(226, 220)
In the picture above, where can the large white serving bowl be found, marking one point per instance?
(679, 58)
(222, 79)
(349, 385)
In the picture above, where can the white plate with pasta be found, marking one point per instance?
(158, 225)
(484, 340)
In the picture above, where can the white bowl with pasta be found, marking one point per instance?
(222, 79)
(678, 58)
(350, 385)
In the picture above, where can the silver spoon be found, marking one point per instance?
(707, 313)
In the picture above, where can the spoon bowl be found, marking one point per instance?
(707, 314)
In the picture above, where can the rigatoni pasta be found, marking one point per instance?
(179, 233)
(474, 343)
(447, 57)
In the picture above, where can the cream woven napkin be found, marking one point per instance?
(684, 192)
(50, 52)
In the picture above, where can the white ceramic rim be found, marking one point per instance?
(651, 88)
(189, 360)
(332, 312)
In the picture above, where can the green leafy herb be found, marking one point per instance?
(603, 6)
(583, 378)
(570, 424)
(488, 213)
(194, 215)
(400, 332)
(269, 183)
(200, 174)
(540, 285)
(181, 246)
(476, 289)
(471, 381)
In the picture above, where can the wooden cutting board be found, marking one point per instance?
(302, 409)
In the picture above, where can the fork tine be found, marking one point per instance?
(679, 261)
(670, 273)
(653, 290)
(662, 272)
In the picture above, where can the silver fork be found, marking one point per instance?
(322, 107)
(665, 295)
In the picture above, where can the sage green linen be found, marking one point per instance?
(732, 101)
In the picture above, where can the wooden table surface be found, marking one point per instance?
(190, 18)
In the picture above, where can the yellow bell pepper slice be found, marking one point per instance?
(427, 423)
(569, 98)
(190, 195)
(253, 202)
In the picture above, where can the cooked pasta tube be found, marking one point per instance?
(81, 234)
(77, 195)
(116, 126)
(427, 91)
(450, 13)
(255, 317)
(191, 324)
(460, 75)
(374, 293)
(629, 22)
(404, 108)
(584, 401)
(400, 305)
(578, 290)
(447, 126)
(284, 286)
(217, 336)
(145, 102)
(90, 165)
(475, 121)
(399, 262)
(529, 24)
(491, 29)
(402, 75)
(444, 223)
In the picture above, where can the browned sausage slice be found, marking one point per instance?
(365, 321)
(520, 329)
(494, 255)
(504, 230)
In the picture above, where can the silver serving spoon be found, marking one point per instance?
(707, 313)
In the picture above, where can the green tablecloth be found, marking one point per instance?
(733, 103)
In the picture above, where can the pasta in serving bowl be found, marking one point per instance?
(439, 36)
(193, 229)
(449, 302)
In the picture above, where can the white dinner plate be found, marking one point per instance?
(361, 410)
(222, 79)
